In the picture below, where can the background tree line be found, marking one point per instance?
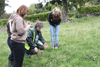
(66, 6)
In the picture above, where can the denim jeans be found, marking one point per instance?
(11, 55)
(54, 30)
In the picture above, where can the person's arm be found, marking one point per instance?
(41, 38)
(21, 30)
(56, 21)
(30, 39)
(50, 17)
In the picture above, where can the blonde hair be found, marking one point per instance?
(57, 13)
(22, 10)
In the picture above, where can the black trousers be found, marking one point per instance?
(31, 50)
(18, 50)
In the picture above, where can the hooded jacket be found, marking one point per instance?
(31, 37)
(18, 27)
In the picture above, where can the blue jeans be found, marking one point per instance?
(11, 55)
(54, 32)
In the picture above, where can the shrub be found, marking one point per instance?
(40, 16)
(89, 9)
(3, 22)
(70, 14)
(5, 16)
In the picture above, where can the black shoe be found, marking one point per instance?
(56, 45)
(28, 56)
(10, 64)
(32, 53)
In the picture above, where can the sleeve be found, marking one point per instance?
(20, 26)
(50, 16)
(29, 39)
(41, 38)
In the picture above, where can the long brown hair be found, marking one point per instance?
(56, 13)
(22, 10)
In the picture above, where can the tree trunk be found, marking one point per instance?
(2, 7)
(65, 11)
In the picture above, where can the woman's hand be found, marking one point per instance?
(45, 45)
(28, 25)
(36, 50)
(51, 20)
(55, 24)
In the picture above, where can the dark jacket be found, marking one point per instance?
(57, 22)
(30, 37)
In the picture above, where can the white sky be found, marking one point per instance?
(16, 3)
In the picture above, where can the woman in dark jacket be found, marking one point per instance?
(34, 37)
(54, 24)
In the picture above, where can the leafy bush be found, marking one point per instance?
(89, 9)
(3, 22)
(5, 16)
(31, 9)
(40, 16)
(50, 7)
(70, 14)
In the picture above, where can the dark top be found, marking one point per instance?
(53, 22)
(31, 35)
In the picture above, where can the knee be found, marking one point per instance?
(56, 35)
(52, 35)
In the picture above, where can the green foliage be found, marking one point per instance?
(95, 2)
(2, 6)
(3, 22)
(41, 16)
(78, 2)
(70, 14)
(40, 10)
(31, 9)
(39, 5)
(89, 9)
(5, 16)
(41, 13)
(50, 6)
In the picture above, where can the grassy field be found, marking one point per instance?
(79, 46)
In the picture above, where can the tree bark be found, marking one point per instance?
(65, 11)
(2, 7)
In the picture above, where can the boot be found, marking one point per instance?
(28, 56)
(56, 45)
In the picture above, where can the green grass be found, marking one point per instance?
(79, 46)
